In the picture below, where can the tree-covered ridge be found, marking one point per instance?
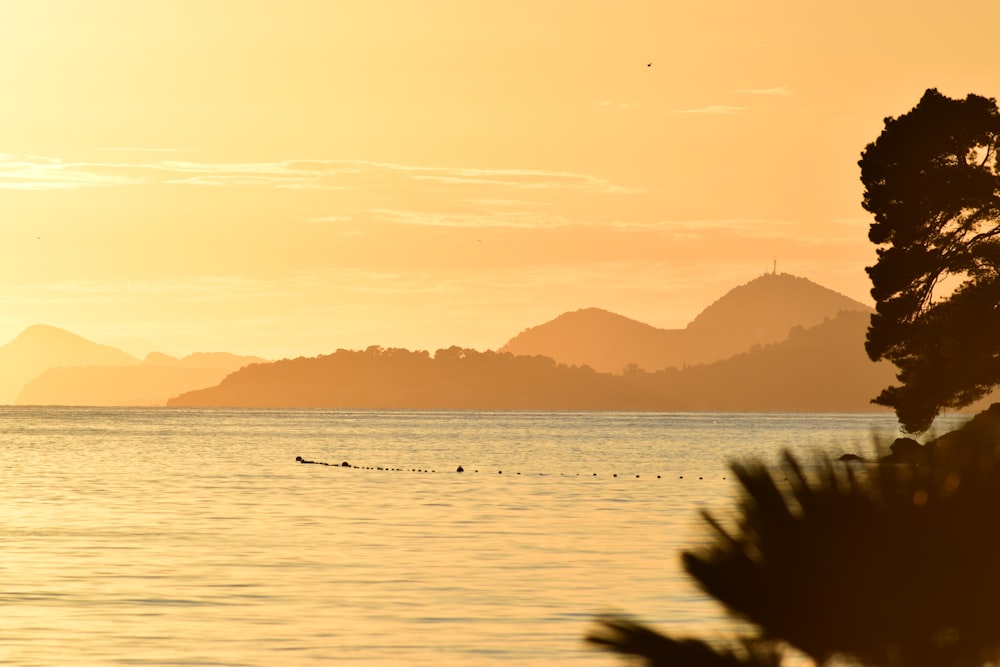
(823, 368)
(457, 378)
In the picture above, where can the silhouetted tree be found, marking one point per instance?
(634, 639)
(892, 565)
(933, 185)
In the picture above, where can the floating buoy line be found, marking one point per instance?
(459, 469)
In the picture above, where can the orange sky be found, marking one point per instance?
(288, 177)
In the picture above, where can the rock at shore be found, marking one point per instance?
(980, 437)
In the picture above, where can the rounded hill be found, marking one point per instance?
(760, 312)
(773, 303)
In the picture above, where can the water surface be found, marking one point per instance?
(191, 537)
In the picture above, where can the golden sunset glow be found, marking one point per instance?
(289, 178)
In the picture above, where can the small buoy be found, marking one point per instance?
(460, 469)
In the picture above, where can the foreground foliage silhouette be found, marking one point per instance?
(932, 183)
(888, 565)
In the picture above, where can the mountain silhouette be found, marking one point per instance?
(756, 313)
(40, 347)
(822, 368)
(150, 383)
(454, 378)
(779, 342)
(603, 340)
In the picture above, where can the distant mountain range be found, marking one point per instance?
(757, 313)
(46, 365)
(822, 368)
(41, 347)
(779, 342)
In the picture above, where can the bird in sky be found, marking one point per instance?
(649, 64)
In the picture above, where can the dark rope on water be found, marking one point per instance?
(460, 469)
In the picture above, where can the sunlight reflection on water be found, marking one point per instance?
(146, 536)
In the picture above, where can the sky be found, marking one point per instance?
(291, 177)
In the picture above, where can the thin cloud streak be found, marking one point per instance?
(54, 174)
(589, 277)
(506, 202)
(781, 91)
(329, 219)
(527, 219)
(49, 173)
(554, 181)
(754, 227)
(146, 149)
(197, 289)
(715, 109)
(514, 219)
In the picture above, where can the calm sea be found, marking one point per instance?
(192, 537)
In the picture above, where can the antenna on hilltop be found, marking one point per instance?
(774, 271)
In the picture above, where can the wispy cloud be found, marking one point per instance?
(329, 219)
(528, 215)
(145, 149)
(529, 219)
(37, 173)
(731, 109)
(504, 202)
(191, 289)
(777, 90)
(747, 229)
(508, 219)
(525, 180)
(691, 229)
(715, 109)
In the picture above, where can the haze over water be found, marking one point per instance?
(290, 179)
(284, 179)
(156, 536)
